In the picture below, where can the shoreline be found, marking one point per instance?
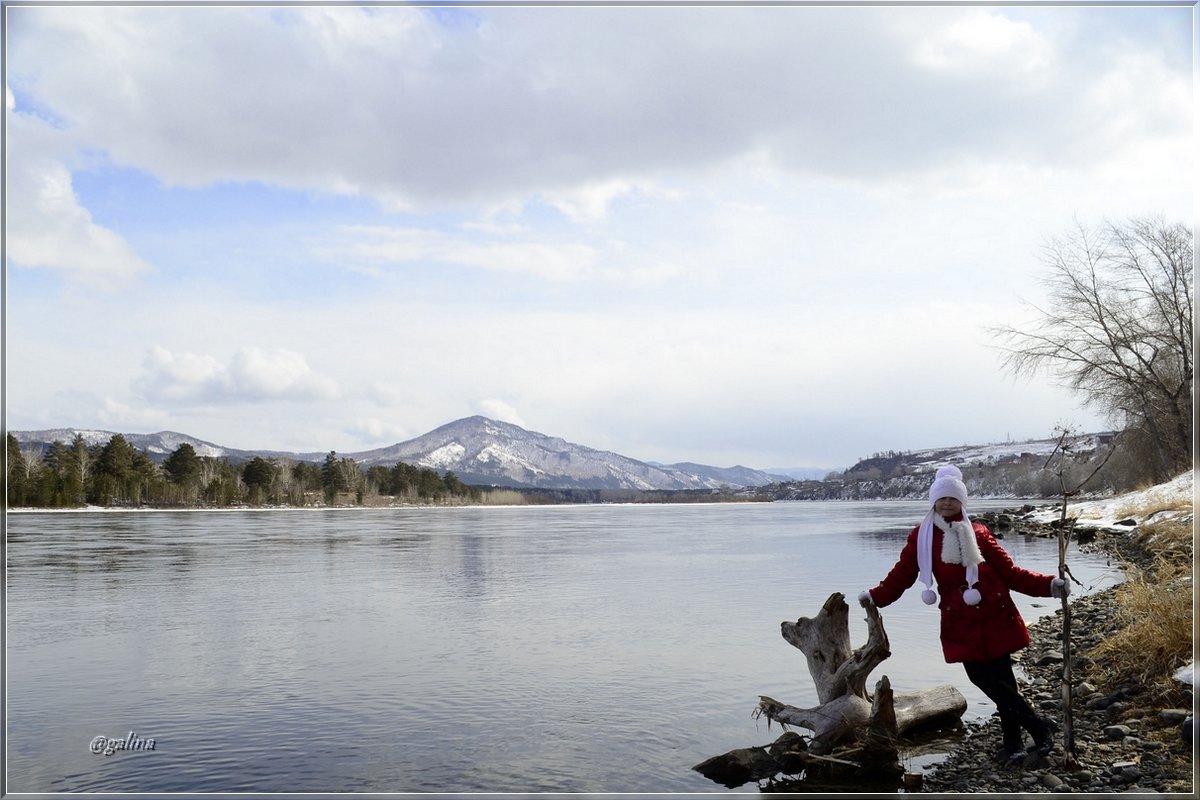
(1124, 743)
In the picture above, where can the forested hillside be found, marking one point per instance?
(115, 474)
(1007, 470)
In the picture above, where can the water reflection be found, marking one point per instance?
(588, 649)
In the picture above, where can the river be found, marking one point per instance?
(599, 648)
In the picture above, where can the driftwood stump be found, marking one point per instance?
(854, 732)
(847, 713)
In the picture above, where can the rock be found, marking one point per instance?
(1046, 659)
(1051, 781)
(1173, 716)
(789, 752)
(1117, 733)
(1104, 764)
(738, 767)
(789, 741)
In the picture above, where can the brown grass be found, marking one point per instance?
(1155, 612)
(1147, 507)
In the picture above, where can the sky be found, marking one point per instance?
(769, 236)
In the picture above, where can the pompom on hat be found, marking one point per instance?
(947, 482)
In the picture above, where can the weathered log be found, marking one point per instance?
(846, 711)
(846, 715)
(825, 641)
(851, 728)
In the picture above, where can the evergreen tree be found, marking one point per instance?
(77, 475)
(258, 474)
(145, 479)
(52, 489)
(16, 488)
(114, 471)
(183, 465)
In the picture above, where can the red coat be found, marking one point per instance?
(970, 633)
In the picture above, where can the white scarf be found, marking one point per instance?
(958, 547)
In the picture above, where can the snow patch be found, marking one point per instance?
(1187, 674)
(1106, 513)
(444, 457)
(496, 453)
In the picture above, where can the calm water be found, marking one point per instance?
(573, 649)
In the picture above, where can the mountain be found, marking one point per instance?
(802, 473)
(157, 445)
(484, 451)
(477, 449)
(1008, 469)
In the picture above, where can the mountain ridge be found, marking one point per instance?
(483, 451)
(477, 449)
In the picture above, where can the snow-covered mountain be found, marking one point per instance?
(1007, 469)
(156, 445)
(484, 451)
(477, 449)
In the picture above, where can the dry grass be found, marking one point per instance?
(1155, 614)
(503, 497)
(1171, 541)
(1147, 507)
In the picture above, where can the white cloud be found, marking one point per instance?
(563, 103)
(422, 248)
(46, 226)
(983, 41)
(495, 408)
(123, 417)
(378, 432)
(588, 202)
(252, 375)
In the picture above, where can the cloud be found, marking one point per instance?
(117, 416)
(368, 247)
(497, 409)
(46, 226)
(252, 375)
(574, 105)
(375, 431)
(982, 42)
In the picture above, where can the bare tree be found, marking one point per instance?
(1117, 327)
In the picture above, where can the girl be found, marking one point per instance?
(980, 627)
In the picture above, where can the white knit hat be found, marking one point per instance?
(947, 482)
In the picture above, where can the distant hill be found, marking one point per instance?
(478, 450)
(1007, 469)
(487, 452)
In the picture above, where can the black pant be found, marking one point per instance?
(996, 680)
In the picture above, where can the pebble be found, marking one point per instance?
(1123, 744)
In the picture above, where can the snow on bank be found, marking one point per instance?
(1170, 500)
(1174, 499)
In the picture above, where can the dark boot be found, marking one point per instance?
(1043, 736)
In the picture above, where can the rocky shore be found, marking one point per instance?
(1125, 742)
